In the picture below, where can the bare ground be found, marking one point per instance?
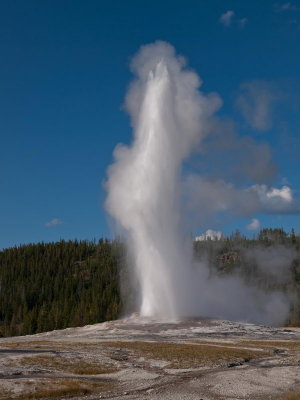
(139, 358)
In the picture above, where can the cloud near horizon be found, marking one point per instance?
(210, 234)
(254, 225)
(53, 222)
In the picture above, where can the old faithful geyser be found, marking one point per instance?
(168, 115)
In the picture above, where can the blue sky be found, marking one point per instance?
(64, 72)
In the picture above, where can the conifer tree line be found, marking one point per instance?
(48, 286)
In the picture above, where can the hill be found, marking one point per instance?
(47, 286)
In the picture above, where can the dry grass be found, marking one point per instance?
(218, 343)
(190, 355)
(36, 344)
(287, 344)
(49, 345)
(54, 393)
(62, 388)
(292, 396)
(263, 344)
(78, 366)
(90, 370)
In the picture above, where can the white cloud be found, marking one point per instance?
(227, 18)
(208, 197)
(255, 103)
(53, 222)
(273, 198)
(209, 235)
(242, 22)
(288, 7)
(254, 225)
(285, 193)
(285, 6)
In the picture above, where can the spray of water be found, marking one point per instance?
(169, 116)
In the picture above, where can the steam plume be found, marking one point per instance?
(169, 117)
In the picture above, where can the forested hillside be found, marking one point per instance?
(48, 286)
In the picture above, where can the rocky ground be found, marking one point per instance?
(138, 358)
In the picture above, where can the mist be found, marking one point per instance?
(273, 262)
(170, 118)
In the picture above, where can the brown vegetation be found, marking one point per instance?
(292, 396)
(64, 364)
(288, 344)
(190, 355)
(61, 388)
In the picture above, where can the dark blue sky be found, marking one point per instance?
(63, 75)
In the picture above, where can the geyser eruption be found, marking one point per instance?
(168, 114)
(169, 117)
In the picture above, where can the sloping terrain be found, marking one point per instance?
(139, 358)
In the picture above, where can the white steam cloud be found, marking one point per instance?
(170, 116)
(256, 102)
(273, 262)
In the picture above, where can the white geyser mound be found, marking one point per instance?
(169, 117)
